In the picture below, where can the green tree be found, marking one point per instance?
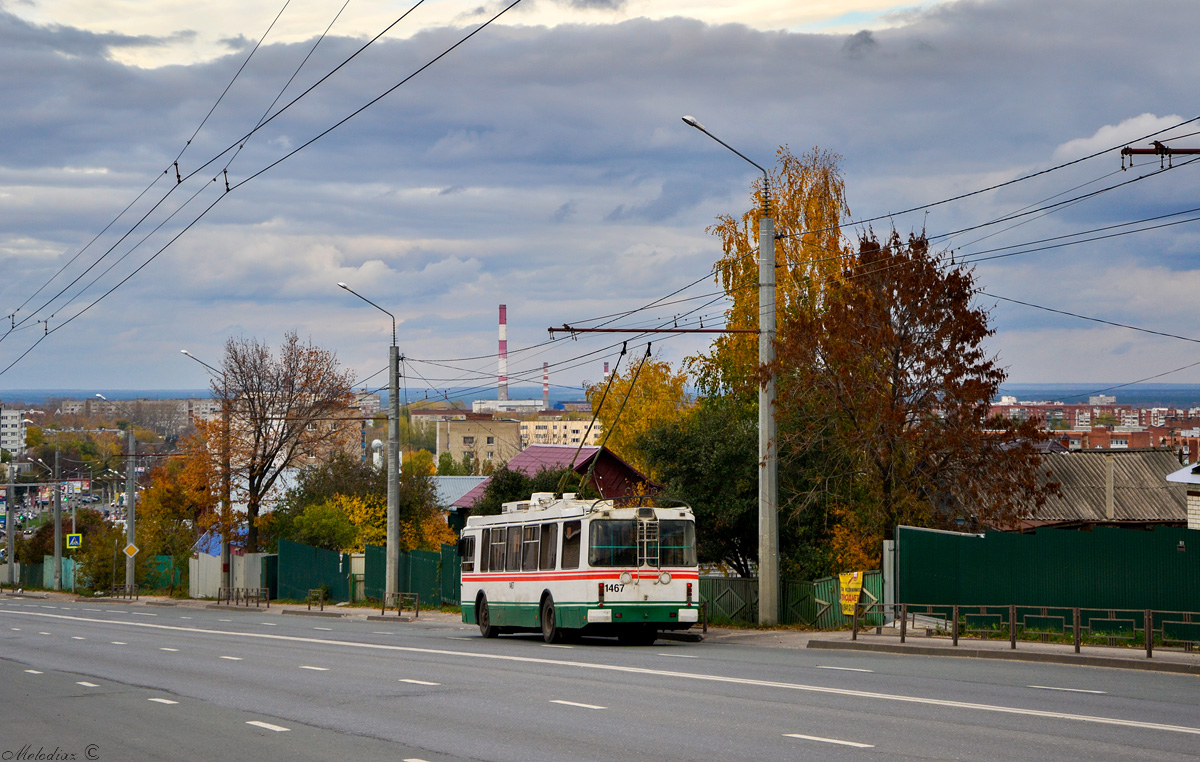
(327, 526)
(507, 486)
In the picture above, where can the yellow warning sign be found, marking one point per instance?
(131, 550)
(851, 589)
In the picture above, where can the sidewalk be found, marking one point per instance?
(917, 644)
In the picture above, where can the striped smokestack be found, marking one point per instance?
(545, 386)
(502, 393)
(605, 371)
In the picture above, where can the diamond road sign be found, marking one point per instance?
(131, 550)
(74, 541)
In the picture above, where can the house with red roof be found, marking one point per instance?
(611, 476)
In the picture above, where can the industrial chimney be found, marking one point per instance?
(502, 392)
(545, 386)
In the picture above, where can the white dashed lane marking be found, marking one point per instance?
(1070, 690)
(119, 643)
(86, 685)
(162, 701)
(173, 650)
(326, 629)
(33, 672)
(837, 741)
(267, 726)
(846, 669)
(417, 682)
(76, 637)
(315, 669)
(232, 658)
(574, 703)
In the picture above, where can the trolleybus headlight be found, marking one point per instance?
(664, 578)
(626, 578)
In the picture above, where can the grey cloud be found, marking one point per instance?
(859, 44)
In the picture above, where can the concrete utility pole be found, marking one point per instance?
(226, 468)
(768, 453)
(57, 521)
(391, 583)
(10, 525)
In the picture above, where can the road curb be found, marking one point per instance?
(383, 618)
(293, 612)
(161, 603)
(224, 607)
(1033, 656)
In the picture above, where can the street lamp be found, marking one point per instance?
(392, 567)
(768, 485)
(226, 468)
(130, 501)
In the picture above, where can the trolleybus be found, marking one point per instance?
(623, 567)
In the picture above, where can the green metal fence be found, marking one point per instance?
(433, 575)
(1106, 568)
(303, 568)
(31, 575)
(813, 604)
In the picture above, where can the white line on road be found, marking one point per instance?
(50, 607)
(86, 685)
(224, 620)
(1071, 690)
(43, 633)
(267, 726)
(454, 638)
(232, 658)
(552, 645)
(573, 703)
(682, 656)
(185, 617)
(315, 669)
(76, 637)
(92, 609)
(848, 692)
(119, 643)
(15, 629)
(267, 624)
(162, 701)
(33, 672)
(382, 633)
(414, 759)
(417, 682)
(846, 669)
(142, 613)
(326, 629)
(855, 744)
(169, 649)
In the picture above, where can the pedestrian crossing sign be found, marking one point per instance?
(74, 541)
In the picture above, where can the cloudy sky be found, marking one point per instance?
(543, 164)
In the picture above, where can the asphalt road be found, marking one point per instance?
(108, 682)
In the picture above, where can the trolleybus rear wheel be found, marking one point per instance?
(550, 631)
(483, 616)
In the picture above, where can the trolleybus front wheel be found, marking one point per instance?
(483, 617)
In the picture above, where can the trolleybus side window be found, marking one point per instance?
(466, 550)
(513, 562)
(677, 543)
(613, 543)
(571, 539)
(529, 547)
(485, 546)
(497, 550)
(549, 545)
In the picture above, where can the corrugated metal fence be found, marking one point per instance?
(1106, 568)
(434, 576)
(814, 604)
(303, 568)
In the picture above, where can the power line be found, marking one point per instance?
(1090, 318)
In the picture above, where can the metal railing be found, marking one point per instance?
(1121, 628)
(316, 595)
(398, 600)
(124, 591)
(242, 596)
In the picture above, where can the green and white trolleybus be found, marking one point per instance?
(623, 567)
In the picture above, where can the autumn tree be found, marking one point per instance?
(807, 203)
(283, 409)
(176, 507)
(646, 394)
(890, 381)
